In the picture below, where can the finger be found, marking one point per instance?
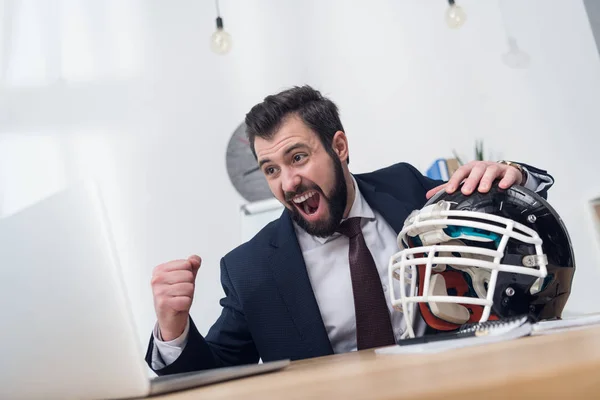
(435, 190)
(180, 289)
(511, 177)
(176, 265)
(491, 173)
(169, 278)
(458, 177)
(195, 260)
(162, 290)
(473, 180)
(181, 276)
(196, 263)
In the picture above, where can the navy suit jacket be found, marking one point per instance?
(269, 309)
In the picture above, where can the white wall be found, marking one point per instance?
(129, 92)
(425, 90)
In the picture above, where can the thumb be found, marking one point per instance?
(196, 261)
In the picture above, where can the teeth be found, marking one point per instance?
(304, 197)
(306, 208)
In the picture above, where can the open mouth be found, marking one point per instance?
(308, 203)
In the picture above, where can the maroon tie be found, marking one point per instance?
(373, 324)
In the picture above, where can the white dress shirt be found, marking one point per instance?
(328, 269)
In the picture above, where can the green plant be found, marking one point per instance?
(478, 152)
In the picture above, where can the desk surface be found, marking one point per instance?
(565, 365)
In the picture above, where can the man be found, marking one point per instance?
(307, 285)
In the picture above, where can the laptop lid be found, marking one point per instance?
(67, 331)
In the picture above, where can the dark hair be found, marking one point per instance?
(318, 112)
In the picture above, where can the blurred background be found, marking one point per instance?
(129, 92)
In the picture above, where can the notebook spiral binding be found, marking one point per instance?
(505, 324)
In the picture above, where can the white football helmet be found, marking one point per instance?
(466, 259)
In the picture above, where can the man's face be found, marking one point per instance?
(304, 177)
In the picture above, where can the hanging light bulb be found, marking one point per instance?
(220, 41)
(515, 57)
(455, 15)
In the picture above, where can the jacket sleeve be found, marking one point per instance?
(227, 343)
(544, 178)
(425, 182)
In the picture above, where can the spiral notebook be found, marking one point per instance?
(566, 324)
(487, 333)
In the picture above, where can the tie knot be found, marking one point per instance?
(350, 227)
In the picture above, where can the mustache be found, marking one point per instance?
(302, 188)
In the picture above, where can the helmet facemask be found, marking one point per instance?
(449, 263)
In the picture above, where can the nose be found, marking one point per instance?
(290, 180)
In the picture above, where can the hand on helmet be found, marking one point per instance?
(480, 175)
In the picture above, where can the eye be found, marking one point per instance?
(269, 171)
(299, 157)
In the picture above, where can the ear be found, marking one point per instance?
(340, 145)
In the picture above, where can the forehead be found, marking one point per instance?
(292, 131)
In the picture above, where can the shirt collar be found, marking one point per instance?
(360, 208)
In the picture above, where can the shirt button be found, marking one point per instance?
(385, 288)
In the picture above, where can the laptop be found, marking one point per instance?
(67, 325)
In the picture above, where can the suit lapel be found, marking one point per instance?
(392, 210)
(289, 271)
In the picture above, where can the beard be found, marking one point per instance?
(336, 202)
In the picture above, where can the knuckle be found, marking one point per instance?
(492, 169)
(508, 168)
(187, 287)
(158, 291)
(481, 167)
(189, 276)
(158, 269)
(160, 302)
(180, 265)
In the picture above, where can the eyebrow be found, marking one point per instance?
(287, 151)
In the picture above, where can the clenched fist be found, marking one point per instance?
(173, 291)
